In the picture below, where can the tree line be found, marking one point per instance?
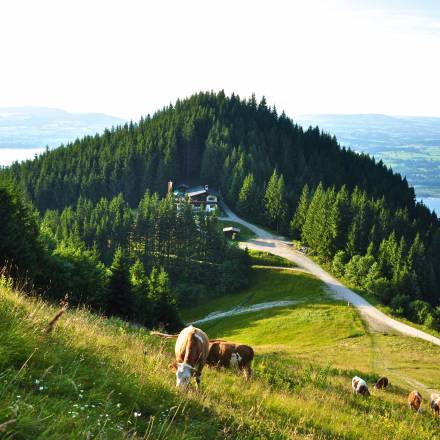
(209, 138)
(138, 264)
(376, 248)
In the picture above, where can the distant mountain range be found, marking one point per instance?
(410, 145)
(33, 127)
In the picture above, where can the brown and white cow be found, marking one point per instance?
(230, 355)
(191, 350)
(415, 400)
(381, 383)
(434, 400)
(359, 386)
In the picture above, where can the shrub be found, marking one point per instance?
(338, 265)
(357, 269)
(433, 319)
(400, 304)
(419, 311)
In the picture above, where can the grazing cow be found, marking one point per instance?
(360, 386)
(434, 400)
(381, 383)
(415, 400)
(227, 354)
(191, 351)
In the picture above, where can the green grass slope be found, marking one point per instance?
(97, 378)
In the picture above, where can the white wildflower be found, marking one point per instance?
(137, 414)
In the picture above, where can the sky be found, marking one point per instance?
(129, 58)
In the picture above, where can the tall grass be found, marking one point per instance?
(93, 377)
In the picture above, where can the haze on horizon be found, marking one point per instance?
(131, 58)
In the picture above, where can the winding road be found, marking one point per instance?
(277, 245)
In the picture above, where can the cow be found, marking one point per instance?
(415, 400)
(359, 386)
(381, 383)
(434, 400)
(230, 355)
(191, 350)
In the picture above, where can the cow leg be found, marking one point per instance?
(247, 372)
(198, 377)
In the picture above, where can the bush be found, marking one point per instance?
(357, 269)
(400, 304)
(338, 265)
(381, 288)
(419, 311)
(433, 319)
(234, 271)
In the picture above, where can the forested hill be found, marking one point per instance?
(353, 213)
(208, 138)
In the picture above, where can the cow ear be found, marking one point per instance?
(173, 366)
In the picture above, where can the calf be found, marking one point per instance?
(360, 386)
(434, 400)
(228, 354)
(381, 383)
(415, 400)
(191, 350)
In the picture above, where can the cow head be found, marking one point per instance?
(183, 374)
(363, 390)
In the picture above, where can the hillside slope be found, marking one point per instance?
(97, 377)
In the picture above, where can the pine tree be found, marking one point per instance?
(139, 284)
(300, 216)
(120, 299)
(341, 217)
(20, 246)
(159, 291)
(248, 202)
(309, 232)
(275, 201)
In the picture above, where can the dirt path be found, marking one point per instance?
(276, 245)
(239, 310)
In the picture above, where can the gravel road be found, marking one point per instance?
(277, 245)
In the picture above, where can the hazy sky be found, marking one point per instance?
(128, 58)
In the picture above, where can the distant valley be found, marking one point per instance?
(26, 131)
(410, 145)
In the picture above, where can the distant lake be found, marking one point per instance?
(433, 203)
(9, 155)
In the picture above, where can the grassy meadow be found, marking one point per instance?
(93, 377)
(262, 258)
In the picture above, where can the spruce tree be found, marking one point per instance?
(142, 304)
(275, 201)
(247, 204)
(309, 233)
(120, 299)
(301, 213)
(165, 310)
